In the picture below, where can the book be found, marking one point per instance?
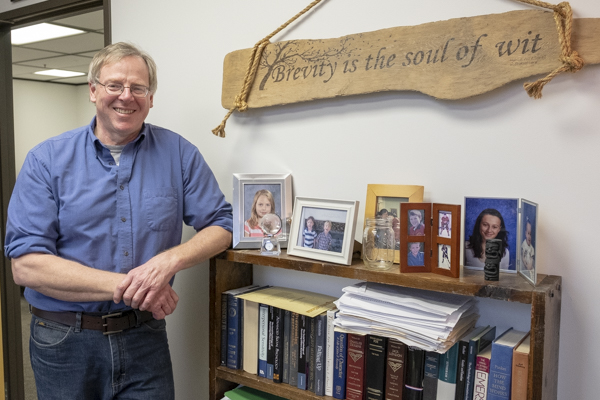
(320, 353)
(430, 375)
(250, 337)
(278, 345)
(286, 345)
(270, 342)
(482, 372)
(520, 370)
(263, 339)
(234, 321)
(340, 353)
(311, 355)
(463, 356)
(375, 367)
(355, 370)
(329, 360)
(501, 364)
(224, 333)
(415, 371)
(476, 344)
(294, 317)
(395, 369)
(446, 389)
(303, 347)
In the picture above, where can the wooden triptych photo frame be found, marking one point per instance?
(430, 238)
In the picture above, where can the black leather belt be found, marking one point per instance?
(108, 324)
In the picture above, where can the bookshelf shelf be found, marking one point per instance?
(233, 269)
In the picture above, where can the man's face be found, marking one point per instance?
(119, 118)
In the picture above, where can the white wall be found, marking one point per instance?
(43, 110)
(499, 144)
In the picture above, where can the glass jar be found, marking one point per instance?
(379, 243)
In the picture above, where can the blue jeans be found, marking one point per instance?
(73, 363)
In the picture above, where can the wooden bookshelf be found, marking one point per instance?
(233, 269)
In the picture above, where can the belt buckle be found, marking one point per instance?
(105, 325)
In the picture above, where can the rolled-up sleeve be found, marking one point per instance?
(32, 224)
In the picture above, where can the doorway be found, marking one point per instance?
(17, 82)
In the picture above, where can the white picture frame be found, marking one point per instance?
(340, 215)
(526, 260)
(245, 188)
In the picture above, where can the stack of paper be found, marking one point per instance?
(430, 320)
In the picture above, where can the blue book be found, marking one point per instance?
(234, 326)
(271, 343)
(446, 389)
(430, 378)
(320, 353)
(500, 376)
(476, 344)
(263, 328)
(339, 366)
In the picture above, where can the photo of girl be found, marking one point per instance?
(263, 204)
(309, 234)
(491, 218)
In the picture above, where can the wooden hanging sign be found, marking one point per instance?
(451, 59)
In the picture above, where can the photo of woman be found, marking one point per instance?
(495, 219)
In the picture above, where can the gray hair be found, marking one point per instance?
(116, 52)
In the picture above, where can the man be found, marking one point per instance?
(94, 232)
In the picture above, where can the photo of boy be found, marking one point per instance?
(324, 239)
(416, 257)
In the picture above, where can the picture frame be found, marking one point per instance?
(435, 228)
(526, 263)
(276, 191)
(503, 215)
(390, 197)
(333, 226)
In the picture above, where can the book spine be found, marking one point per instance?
(263, 333)
(446, 389)
(480, 384)
(375, 367)
(519, 377)
(294, 349)
(431, 372)
(474, 347)
(461, 374)
(330, 353)
(278, 345)
(500, 372)
(241, 333)
(339, 366)
(415, 371)
(224, 332)
(355, 371)
(270, 342)
(320, 354)
(302, 347)
(286, 345)
(395, 370)
(250, 338)
(311, 354)
(233, 337)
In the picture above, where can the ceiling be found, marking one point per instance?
(72, 53)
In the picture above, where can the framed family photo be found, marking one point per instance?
(323, 229)
(255, 195)
(384, 201)
(527, 241)
(491, 218)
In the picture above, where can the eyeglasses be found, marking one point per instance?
(116, 89)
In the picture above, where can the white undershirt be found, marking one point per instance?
(115, 151)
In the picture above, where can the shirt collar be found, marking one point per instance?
(97, 142)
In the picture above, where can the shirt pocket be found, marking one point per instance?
(160, 207)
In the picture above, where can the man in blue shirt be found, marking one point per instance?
(94, 231)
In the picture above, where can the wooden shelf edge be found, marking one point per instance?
(510, 287)
(266, 385)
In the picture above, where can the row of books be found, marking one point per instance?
(311, 353)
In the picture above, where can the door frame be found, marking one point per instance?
(10, 293)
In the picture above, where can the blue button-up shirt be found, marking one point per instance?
(71, 200)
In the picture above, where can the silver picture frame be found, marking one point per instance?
(245, 188)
